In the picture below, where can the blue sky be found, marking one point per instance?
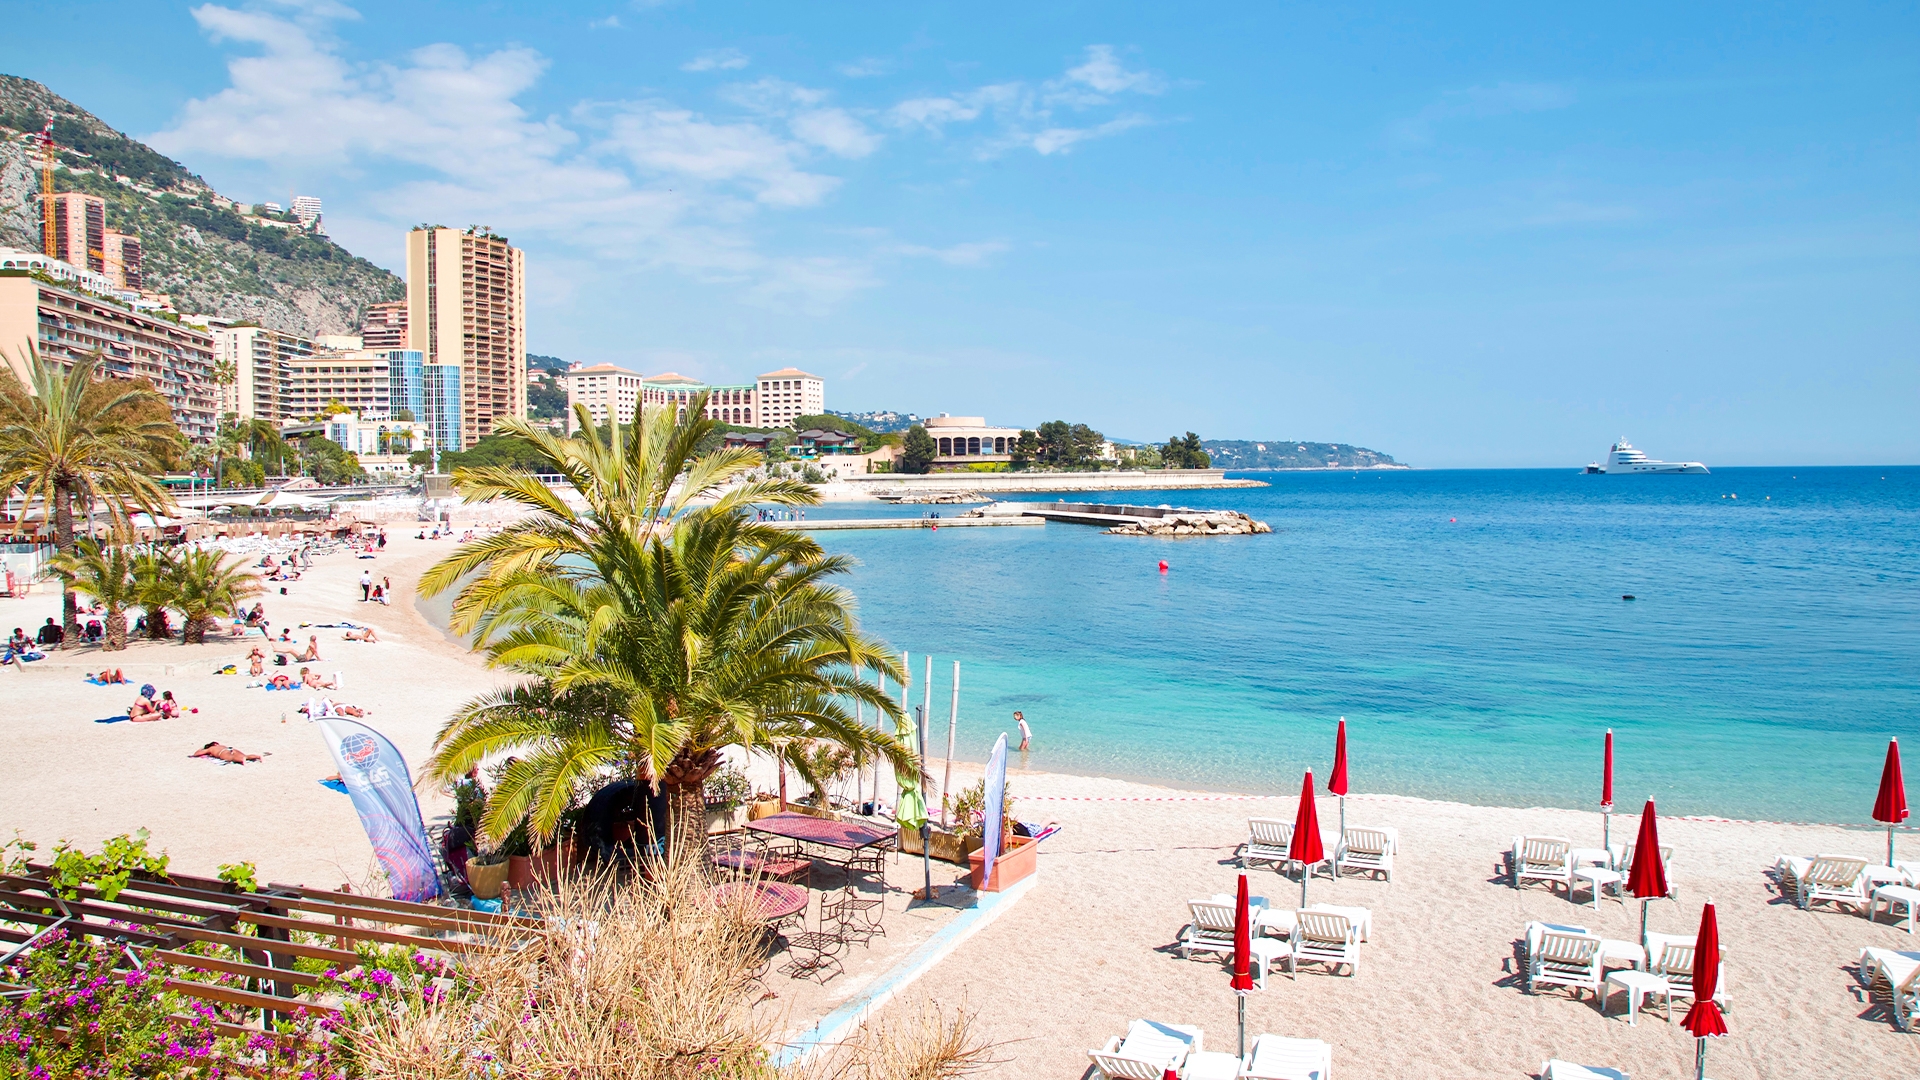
(1463, 235)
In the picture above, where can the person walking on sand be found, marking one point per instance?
(366, 586)
(1026, 733)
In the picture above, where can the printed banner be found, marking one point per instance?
(376, 777)
(995, 815)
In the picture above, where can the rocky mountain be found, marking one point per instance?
(1286, 454)
(211, 256)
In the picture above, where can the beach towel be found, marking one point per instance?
(113, 719)
(335, 785)
(101, 682)
(342, 625)
(1041, 832)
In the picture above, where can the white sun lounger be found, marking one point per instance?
(1837, 879)
(1326, 936)
(1276, 1058)
(1896, 974)
(1211, 929)
(1555, 1069)
(1563, 958)
(1674, 963)
(1147, 1051)
(1543, 858)
(1367, 849)
(1267, 842)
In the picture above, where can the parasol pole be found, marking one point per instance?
(926, 710)
(1242, 998)
(953, 723)
(926, 829)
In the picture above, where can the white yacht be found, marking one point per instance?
(1623, 458)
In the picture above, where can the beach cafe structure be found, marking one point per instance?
(960, 441)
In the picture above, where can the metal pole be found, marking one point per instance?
(1699, 1059)
(1889, 845)
(859, 774)
(953, 722)
(1243, 1024)
(926, 830)
(1606, 835)
(1643, 923)
(926, 710)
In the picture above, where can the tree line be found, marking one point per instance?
(1061, 446)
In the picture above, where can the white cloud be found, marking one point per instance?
(1027, 115)
(717, 60)
(834, 131)
(971, 254)
(865, 68)
(1479, 103)
(611, 22)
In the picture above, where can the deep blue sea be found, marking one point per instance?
(1468, 624)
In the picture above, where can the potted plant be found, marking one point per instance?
(486, 873)
(726, 793)
(518, 848)
(1017, 856)
(558, 854)
(956, 844)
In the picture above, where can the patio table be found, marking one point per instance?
(773, 901)
(837, 842)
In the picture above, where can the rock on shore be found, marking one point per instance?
(1194, 523)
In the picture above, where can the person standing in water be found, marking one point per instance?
(1026, 733)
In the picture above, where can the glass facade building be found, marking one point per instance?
(405, 388)
(441, 392)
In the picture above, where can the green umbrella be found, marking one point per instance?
(911, 808)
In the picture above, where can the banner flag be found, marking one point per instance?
(994, 816)
(376, 777)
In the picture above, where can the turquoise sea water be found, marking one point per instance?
(1468, 624)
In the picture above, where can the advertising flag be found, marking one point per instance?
(376, 777)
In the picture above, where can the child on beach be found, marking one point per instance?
(1026, 733)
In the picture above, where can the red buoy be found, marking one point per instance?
(1163, 566)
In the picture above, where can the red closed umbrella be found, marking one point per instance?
(1704, 1019)
(1242, 959)
(1337, 781)
(1891, 806)
(1606, 800)
(1305, 847)
(1647, 877)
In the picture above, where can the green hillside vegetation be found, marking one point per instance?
(1284, 454)
(197, 249)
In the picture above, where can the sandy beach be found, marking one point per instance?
(1088, 949)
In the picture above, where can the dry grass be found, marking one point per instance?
(652, 981)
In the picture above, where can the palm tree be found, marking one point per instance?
(263, 443)
(67, 438)
(205, 586)
(154, 590)
(657, 626)
(106, 575)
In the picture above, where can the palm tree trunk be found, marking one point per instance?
(63, 543)
(687, 824)
(116, 630)
(195, 632)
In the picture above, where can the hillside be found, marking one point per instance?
(209, 258)
(1246, 454)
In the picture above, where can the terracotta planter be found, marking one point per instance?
(549, 862)
(944, 846)
(519, 872)
(760, 808)
(485, 879)
(1018, 863)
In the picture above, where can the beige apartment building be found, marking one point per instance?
(66, 325)
(466, 304)
(788, 394)
(385, 326)
(81, 237)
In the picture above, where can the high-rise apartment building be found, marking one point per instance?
(125, 260)
(283, 378)
(385, 326)
(467, 309)
(79, 229)
(306, 208)
(65, 325)
(606, 390)
(261, 370)
(788, 394)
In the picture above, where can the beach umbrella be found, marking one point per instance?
(1704, 1019)
(1242, 958)
(1337, 783)
(1606, 800)
(1306, 848)
(910, 808)
(1891, 806)
(1647, 877)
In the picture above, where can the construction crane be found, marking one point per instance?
(50, 236)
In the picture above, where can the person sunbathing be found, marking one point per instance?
(311, 679)
(223, 752)
(365, 633)
(280, 682)
(304, 656)
(256, 662)
(110, 677)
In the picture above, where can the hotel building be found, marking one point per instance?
(467, 309)
(285, 378)
(960, 441)
(606, 389)
(385, 326)
(65, 324)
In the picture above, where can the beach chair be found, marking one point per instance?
(1837, 879)
(1146, 1051)
(1324, 936)
(1365, 849)
(1555, 1069)
(1211, 929)
(1267, 842)
(1675, 964)
(1895, 976)
(1276, 1058)
(1560, 958)
(1625, 865)
(1542, 858)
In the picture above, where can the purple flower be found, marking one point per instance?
(383, 978)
